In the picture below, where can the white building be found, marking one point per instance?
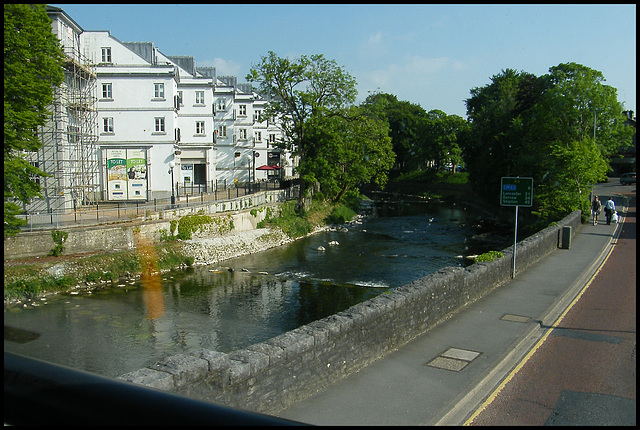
(153, 125)
(70, 136)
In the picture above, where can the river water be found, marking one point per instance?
(126, 326)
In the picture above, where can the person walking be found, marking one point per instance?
(596, 207)
(609, 209)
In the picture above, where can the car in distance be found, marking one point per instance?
(628, 178)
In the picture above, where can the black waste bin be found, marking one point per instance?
(566, 237)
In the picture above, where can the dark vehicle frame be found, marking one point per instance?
(41, 393)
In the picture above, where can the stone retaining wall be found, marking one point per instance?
(118, 237)
(269, 376)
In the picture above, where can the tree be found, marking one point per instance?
(407, 122)
(350, 150)
(32, 68)
(561, 127)
(543, 127)
(299, 91)
(494, 145)
(441, 139)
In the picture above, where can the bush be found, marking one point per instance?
(341, 214)
(489, 256)
(58, 237)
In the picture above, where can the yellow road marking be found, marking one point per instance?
(519, 366)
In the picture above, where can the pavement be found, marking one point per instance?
(443, 376)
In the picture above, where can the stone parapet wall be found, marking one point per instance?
(269, 376)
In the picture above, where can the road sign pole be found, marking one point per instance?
(516, 192)
(515, 243)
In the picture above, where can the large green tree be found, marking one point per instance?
(407, 122)
(420, 139)
(543, 127)
(349, 150)
(32, 68)
(494, 146)
(440, 138)
(577, 126)
(299, 91)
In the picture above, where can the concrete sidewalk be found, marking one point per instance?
(441, 377)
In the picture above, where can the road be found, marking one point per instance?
(583, 372)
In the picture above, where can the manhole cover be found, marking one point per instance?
(515, 318)
(448, 364)
(454, 359)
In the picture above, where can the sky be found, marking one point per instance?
(429, 55)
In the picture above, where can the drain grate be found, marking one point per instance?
(454, 359)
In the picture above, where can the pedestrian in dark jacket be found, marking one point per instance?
(596, 207)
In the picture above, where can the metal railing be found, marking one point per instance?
(222, 200)
(225, 189)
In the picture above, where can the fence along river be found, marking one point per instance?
(241, 301)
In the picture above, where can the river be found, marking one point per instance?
(124, 326)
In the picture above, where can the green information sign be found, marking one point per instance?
(516, 192)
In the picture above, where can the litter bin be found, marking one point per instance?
(566, 237)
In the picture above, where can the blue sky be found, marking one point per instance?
(431, 55)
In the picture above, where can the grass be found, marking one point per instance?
(32, 280)
(321, 213)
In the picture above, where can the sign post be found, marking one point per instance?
(516, 192)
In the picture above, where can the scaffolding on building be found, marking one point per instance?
(69, 153)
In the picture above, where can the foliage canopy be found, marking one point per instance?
(560, 129)
(339, 145)
(32, 68)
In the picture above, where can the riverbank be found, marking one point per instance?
(28, 281)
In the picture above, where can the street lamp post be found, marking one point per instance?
(250, 159)
(172, 164)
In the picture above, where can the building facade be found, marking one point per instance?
(134, 124)
(70, 136)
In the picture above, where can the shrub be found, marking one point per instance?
(489, 256)
(341, 214)
(58, 237)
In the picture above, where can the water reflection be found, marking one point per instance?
(150, 277)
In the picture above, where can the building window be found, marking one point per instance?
(199, 97)
(158, 91)
(106, 91)
(242, 133)
(107, 125)
(256, 116)
(199, 127)
(160, 124)
(106, 55)
(73, 133)
(272, 138)
(257, 136)
(33, 177)
(242, 110)
(221, 105)
(222, 131)
(180, 98)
